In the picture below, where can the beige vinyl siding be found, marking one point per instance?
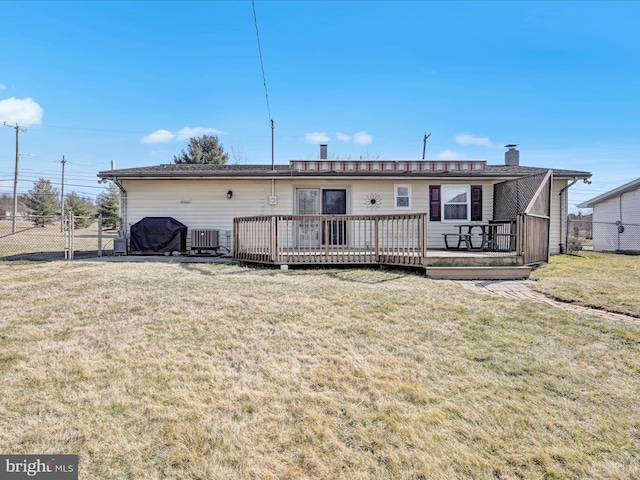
(358, 191)
(203, 204)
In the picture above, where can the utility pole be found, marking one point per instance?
(273, 166)
(15, 176)
(63, 161)
(424, 145)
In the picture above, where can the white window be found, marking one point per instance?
(402, 197)
(455, 203)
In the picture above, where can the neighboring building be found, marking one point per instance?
(616, 219)
(6, 207)
(450, 192)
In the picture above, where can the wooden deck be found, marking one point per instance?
(331, 239)
(401, 240)
(384, 240)
(349, 240)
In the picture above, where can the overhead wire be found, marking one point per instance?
(264, 78)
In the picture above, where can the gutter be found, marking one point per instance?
(123, 206)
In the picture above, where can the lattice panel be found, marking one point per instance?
(513, 197)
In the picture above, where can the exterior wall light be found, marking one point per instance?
(229, 194)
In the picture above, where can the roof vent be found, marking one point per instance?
(511, 156)
(323, 152)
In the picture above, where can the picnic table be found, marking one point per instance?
(487, 239)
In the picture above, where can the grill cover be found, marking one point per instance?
(158, 235)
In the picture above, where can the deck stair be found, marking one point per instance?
(475, 266)
(495, 272)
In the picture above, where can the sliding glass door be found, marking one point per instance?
(318, 201)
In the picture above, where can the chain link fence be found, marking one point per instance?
(48, 238)
(616, 237)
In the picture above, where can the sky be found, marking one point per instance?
(132, 81)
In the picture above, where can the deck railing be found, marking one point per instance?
(331, 239)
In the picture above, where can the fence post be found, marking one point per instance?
(100, 235)
(65, 222)
(68, 254)
(71, 235)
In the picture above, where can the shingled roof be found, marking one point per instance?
(616, 192)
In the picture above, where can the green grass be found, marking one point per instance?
(197, 371)
(599, 280)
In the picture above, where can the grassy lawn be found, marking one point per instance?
(196, 371)
(599, 280)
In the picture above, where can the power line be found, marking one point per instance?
(264, 79)
(266, 93)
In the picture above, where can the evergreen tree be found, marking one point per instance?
(81, 208)
(109, 206)
(205, 149)
(43, 201)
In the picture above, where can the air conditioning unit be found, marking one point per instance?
(205, 240)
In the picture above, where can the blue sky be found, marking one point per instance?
(131, 81)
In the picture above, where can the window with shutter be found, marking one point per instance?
(476, 203)
(434, 203)
(455, 203)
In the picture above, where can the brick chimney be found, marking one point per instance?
(512, 156)
(323, 152)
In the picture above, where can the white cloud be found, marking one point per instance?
(159, 136)
(362, 138)
(187, 132)
(22, 112)
(164, 136)
(449, 155)
(468, 139)
(316, 137)
(343, 137)
(3, 86)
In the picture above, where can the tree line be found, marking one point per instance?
(42, 204)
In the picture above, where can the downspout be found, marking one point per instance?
(123, 207)
(564, 214)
